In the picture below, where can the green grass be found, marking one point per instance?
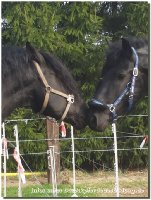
(66, 190)
(46, 191)
(98, 184)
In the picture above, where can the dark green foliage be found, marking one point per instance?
(123, 18)
(78, 33)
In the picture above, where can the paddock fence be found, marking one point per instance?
(54, 152)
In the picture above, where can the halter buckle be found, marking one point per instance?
(70, 98)
(135, 71)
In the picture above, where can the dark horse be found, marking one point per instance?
(126, 60)
(38, 80)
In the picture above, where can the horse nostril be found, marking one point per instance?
(93, 122)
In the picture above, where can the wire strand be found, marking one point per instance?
(87, 151)
(88, 138)
(32, 172)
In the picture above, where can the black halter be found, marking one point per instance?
(129, 90)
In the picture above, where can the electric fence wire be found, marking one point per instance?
(37, 181)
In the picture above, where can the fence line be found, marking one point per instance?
(21, 155)
(84, 151)
(132, 134)
(62, 139)
(23, 120)
(106, 150)
(93, 150)
(43, 118)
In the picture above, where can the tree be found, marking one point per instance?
(125, 18)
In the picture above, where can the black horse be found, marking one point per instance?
(124, 81)
(38, 80)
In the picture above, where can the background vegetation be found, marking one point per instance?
(78, 33)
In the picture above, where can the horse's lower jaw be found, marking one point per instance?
(79, 125)
(76, 123)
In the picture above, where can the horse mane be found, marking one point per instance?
(14, 60)
(137, 43)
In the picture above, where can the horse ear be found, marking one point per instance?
(127, 48)
(33, 53)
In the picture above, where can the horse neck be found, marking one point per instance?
(142, 83)
(16, 92)
(143, 57)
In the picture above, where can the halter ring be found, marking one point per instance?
(48, 89)
(112, 108)
(135, 71)
(70, 98)
(131, 96)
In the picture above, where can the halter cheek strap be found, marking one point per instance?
(49, 89)
(135, 74)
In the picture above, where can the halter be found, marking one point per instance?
(49, 89)
(129, 89)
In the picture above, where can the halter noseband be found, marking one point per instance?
(129, 89)
(49, 89)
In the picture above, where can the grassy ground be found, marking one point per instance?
(98, 184)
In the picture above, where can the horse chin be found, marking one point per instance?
(79, 126)
(77, 123)
(80, 119)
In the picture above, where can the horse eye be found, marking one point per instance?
(121, 76)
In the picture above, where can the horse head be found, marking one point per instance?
(122, 83)
(42, 83)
